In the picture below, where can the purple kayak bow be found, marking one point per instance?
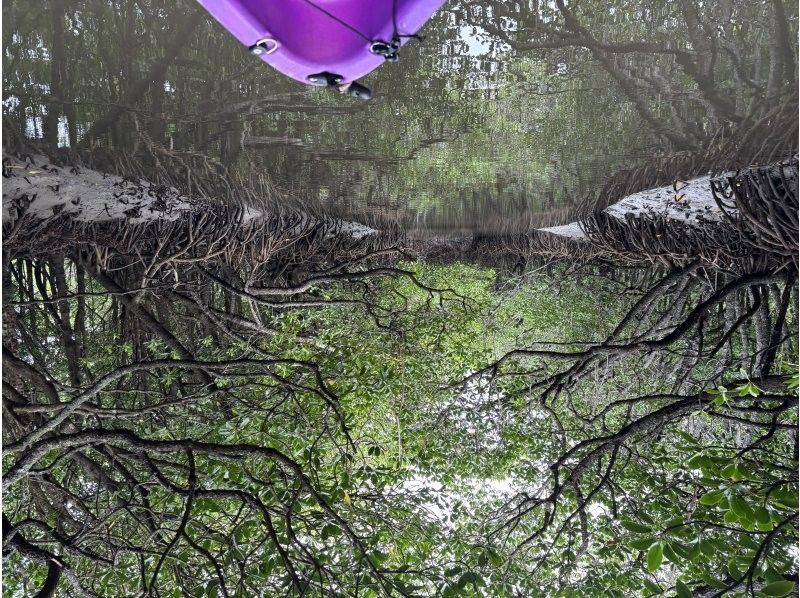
(335, 40)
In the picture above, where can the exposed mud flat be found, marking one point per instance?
(36, 188)
(687, 201)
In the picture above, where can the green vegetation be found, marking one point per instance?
(433, 477)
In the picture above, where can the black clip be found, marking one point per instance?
(390, 51)
(324, 79)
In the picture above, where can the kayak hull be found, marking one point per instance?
(304, 37)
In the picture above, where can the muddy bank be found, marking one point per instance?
(37, 189)
(689, 201)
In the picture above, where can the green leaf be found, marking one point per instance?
(246, 531)
(633, 526)
(772, 575)
(733, 569)
(793, 381)
(741, 508)
(748, 542)
(694, 551)
(653, 587)
(730, 517)
(713, 581)
(469, 577)
(778, 588)
(378, 557)
(208, 505)
(749, 389)
(683, 590)
(495, 559)
(764, 527)
(786, 497)
(330, 531)
(646, 517)
(721, 543)
(641, 543)
(671, 555)
(450, 592)
(211, 588)
(654, 557)
(712, 498)
(762, 515)
(681, 550)
(700, 461)
(732, 471)
(674, 522)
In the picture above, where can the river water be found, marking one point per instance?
(501, 114)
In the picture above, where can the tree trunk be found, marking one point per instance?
(57, 74)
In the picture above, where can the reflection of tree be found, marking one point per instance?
(152, 82)
(700, 50)
(668, 68)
